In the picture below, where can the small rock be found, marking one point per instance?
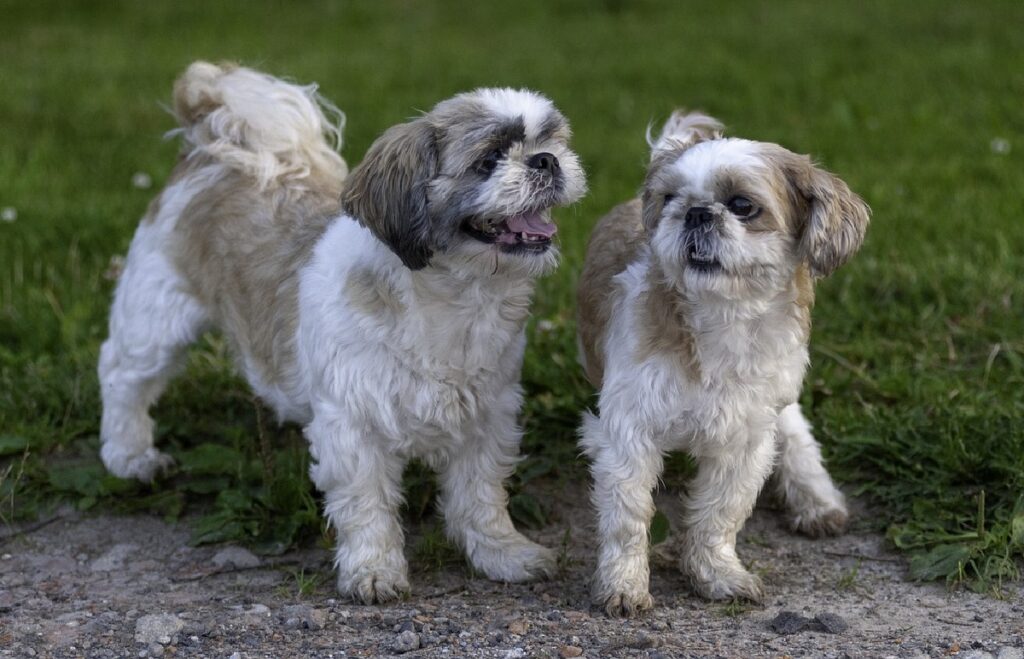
(1007, 652)
(518, 627)
(236, 557)
(788, 622)
(515, 653)
(555, 615)
(113, 558)
(567, 651)
(831, 623)
(407, 641)
(235, 655)
(149, 629)
(302, 616)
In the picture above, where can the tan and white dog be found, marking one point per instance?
(694, 318)
(390, 324)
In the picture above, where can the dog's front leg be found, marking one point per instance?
(475, 502)
(361, 481)
(720, 500)
(625, 470)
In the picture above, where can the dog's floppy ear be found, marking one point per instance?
(835, 217)
(387, 193)
(681, 131)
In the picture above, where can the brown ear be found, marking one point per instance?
(836, 218)
(387, 192)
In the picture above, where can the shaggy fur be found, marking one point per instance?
(391, 326)
(694, 316)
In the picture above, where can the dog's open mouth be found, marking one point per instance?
(701, 261)
(530, 231)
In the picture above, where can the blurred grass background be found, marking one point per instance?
(918, 348)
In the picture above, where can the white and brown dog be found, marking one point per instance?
(694, 316)
(391, 325)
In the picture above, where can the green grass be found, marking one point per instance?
(917, 383)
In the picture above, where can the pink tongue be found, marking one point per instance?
(531, 223)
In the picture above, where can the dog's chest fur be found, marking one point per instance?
(701, 373)
(424, 357)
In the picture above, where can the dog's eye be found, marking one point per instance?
(668, 199)
(742, 208)
(488, 163)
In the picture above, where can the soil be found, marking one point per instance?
(107, 586)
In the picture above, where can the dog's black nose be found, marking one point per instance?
(698, 215)
(546, 161)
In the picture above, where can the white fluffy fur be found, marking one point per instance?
(752, 355)
(439, 383)
(260, 124)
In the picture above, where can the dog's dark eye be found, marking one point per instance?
(668, 199)
(742, 208)
(487, 164)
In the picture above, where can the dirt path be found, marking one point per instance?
(132, 587)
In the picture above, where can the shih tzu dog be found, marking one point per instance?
(385, 311)
(694, 316)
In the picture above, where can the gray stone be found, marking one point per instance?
(113, 558)
(1008, 652)
(235, 557)
(976, 654)
(149, 629)
(407, 641)
(831, 623)
(788, 622)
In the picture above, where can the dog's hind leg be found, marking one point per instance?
(815, 505)
(152, 321)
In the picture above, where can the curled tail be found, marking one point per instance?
(273, 130)
(684, 129)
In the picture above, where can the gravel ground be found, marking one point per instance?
(132, 587)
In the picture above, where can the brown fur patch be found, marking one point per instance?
(663, 329)
(614, 244)
(241, 250)
(804, 301)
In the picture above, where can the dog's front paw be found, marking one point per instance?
(374, 585)
(514, 560)
(626, 604)
(730, 584)
(820, 521)
(144, 466)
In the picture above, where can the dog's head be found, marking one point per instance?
(736, 217)
(471, 183)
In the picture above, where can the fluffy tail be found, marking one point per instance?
(273, 130)
(684, 129)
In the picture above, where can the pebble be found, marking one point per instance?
(515, 653)
(518, 627)
(237, 557)
(301, 616)
(1008, 652)
(831, 623)
(407, 641)
(151, 628)
(976, 654)
(113, 558)
(567, 651)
